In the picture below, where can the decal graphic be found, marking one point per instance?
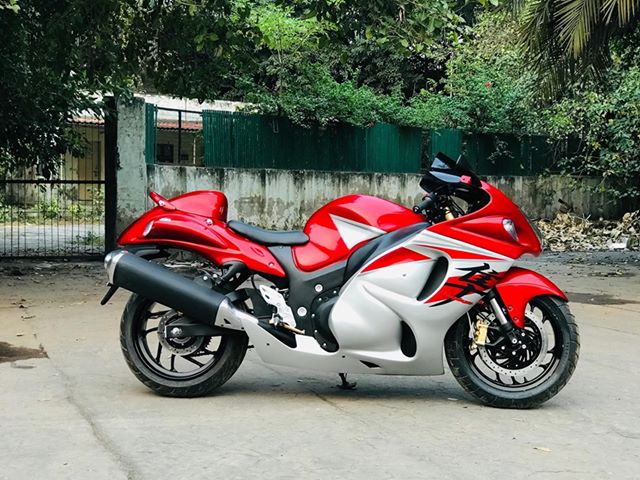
(353, 232)
(477, 280)
(396, 257)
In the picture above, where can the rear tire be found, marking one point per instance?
(498, 393)
(228, 357)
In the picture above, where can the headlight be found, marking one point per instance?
(510, 228)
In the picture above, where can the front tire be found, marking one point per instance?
(516, 377)
(185, 367)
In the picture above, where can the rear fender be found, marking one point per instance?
(210, 238)
(519, 286)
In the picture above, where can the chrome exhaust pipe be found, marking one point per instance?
(155, 282)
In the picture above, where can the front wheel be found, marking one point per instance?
(176, 367)
(524, 375)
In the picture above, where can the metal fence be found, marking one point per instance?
(499, 154)
(62, 215)
(253, 141)
(245, 140)
(173, 136)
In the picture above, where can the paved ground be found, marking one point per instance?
(51, 238)
(80, 413)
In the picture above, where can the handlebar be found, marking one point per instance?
(424, 204)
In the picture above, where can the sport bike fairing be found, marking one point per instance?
(399, 299)
(391, 317)
(369, 286)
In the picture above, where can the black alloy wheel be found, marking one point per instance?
(180, 367)
(523, 374)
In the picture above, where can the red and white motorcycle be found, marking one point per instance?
(369, 286)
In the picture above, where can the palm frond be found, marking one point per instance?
(576, 21)
(625, 10)
(567, 38)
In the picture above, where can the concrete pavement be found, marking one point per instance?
(53, 238)
(80, 413)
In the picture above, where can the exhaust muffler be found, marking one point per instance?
(155, 282)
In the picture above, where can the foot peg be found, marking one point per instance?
(345, 385)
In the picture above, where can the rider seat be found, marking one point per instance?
(268, 237)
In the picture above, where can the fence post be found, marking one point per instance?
(132, 168)
(110, 173)
(151, 119)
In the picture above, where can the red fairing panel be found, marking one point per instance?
(200, 232)
(484, 227)
(396, 257)
(518, 286)
(342, 225)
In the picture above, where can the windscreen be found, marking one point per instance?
(446, 172)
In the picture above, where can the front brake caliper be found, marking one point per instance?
(480, 332)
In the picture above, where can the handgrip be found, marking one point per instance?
(424, 204)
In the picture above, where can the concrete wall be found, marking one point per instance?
(281, 199)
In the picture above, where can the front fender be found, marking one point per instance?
(519, 286)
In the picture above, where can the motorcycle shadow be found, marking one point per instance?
(328, 388)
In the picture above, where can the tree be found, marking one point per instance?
(565, 38)
(57, 57)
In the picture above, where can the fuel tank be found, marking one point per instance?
(344, 224)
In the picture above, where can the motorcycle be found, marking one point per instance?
(369, 286)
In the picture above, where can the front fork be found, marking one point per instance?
(506, 325)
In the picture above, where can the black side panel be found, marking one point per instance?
(302, 285)
(321, 310)
(434, 280)
(378, 245)
(359, 256)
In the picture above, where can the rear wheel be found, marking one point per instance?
(520, 375)
(177, 367)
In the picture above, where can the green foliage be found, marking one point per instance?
(488, 88)
(48, 209)
(284, 33)
(568, 38)
(5, 212)
(55, 56)
(90, 239)
(10, 5)
(408, 27)
(605, 117)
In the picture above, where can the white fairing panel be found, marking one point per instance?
(389, 290)
(352, 233)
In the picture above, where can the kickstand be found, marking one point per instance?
(346, 385)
